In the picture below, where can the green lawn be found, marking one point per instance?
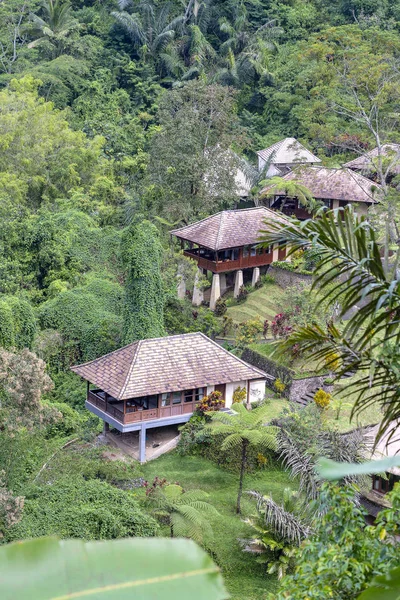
(264, 303)
(369, 416)
(244, 578)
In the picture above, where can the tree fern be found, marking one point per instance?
(243, 429)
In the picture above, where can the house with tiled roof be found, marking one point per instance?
(158, 382)
(367, 163)
(334, 187)
(227, 244)
(284, 156)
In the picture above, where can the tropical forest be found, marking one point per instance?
(200, 299)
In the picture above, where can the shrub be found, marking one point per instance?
(239, 395)
(243, 293)
(248, 332)
(212, 402)
(279, 386)
(322, 399)
(220, 307)
(75, 508)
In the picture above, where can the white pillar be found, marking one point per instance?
(181, 286)
(256, 276)
(275, 252)
(288, 249)
(142, 445)
(198, 295)
(215, 291)
(238, 283)
(222, 283)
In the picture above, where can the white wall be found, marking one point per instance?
(257, 390)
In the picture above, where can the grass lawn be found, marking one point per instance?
(302, 366)
(244, 578)
(369, 416)
(264, 303)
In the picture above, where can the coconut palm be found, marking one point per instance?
(243, 429)
(149, 27)
(55, 26)
(279, 530)
(350, 266)
(187, 513)
(288, 188)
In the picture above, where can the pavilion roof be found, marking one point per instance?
(366, 162)
(288, 151)
(335, 184)
(229, 228)
(167, 364)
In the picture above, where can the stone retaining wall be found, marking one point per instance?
(272, 368)
(301, 387)
(286, 278)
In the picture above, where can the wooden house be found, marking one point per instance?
(158, 382)
(227, 244)
(282, 157)
(367, 163)
(334, 187)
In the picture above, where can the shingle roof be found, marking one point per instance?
(336, 184)
(288, 151)
(172, 363)
(366, 161)
(228, 229)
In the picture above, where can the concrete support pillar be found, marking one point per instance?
(198, 295)
(106, 427)
(275, 252)
(256, 276)
(288, 249)
(181, 286)
(335, 204)
(238, 283)
(222, 283)
(215, 291)
(142, 445)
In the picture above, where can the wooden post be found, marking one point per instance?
(142, 444)
(87, 389)
(106, 399)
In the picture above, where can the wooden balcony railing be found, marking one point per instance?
(243, 262)
(184, 408)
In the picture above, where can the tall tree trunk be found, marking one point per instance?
(242, 470)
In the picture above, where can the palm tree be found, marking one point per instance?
(55, 26)
(149, 27)
(187, 513)
(243, 429)
(279, 530)
(350, 266)
(289, 188)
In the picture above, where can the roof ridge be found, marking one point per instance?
(125, 385)
(219, 230)
(236, 357)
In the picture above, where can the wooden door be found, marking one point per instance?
(221, 388)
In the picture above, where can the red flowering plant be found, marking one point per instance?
(280, 326)
(212, 402)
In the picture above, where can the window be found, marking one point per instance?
(199, 394)
(166, 399)
(188, 395)
(176, 398)
(380, 485)
(260, 250)
(253, 250)
(245, 251)
(235, 254)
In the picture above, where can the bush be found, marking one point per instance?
(239, 395)
(17, 323)
(243, 293)
(212, 402)
(70, 423)
(322, 399)
(279, 386)
(75, 508)
(220, 307)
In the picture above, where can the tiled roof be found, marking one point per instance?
(172, 363)
(367, 161)
(229, 229)
(336, 184)
(288, 151)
